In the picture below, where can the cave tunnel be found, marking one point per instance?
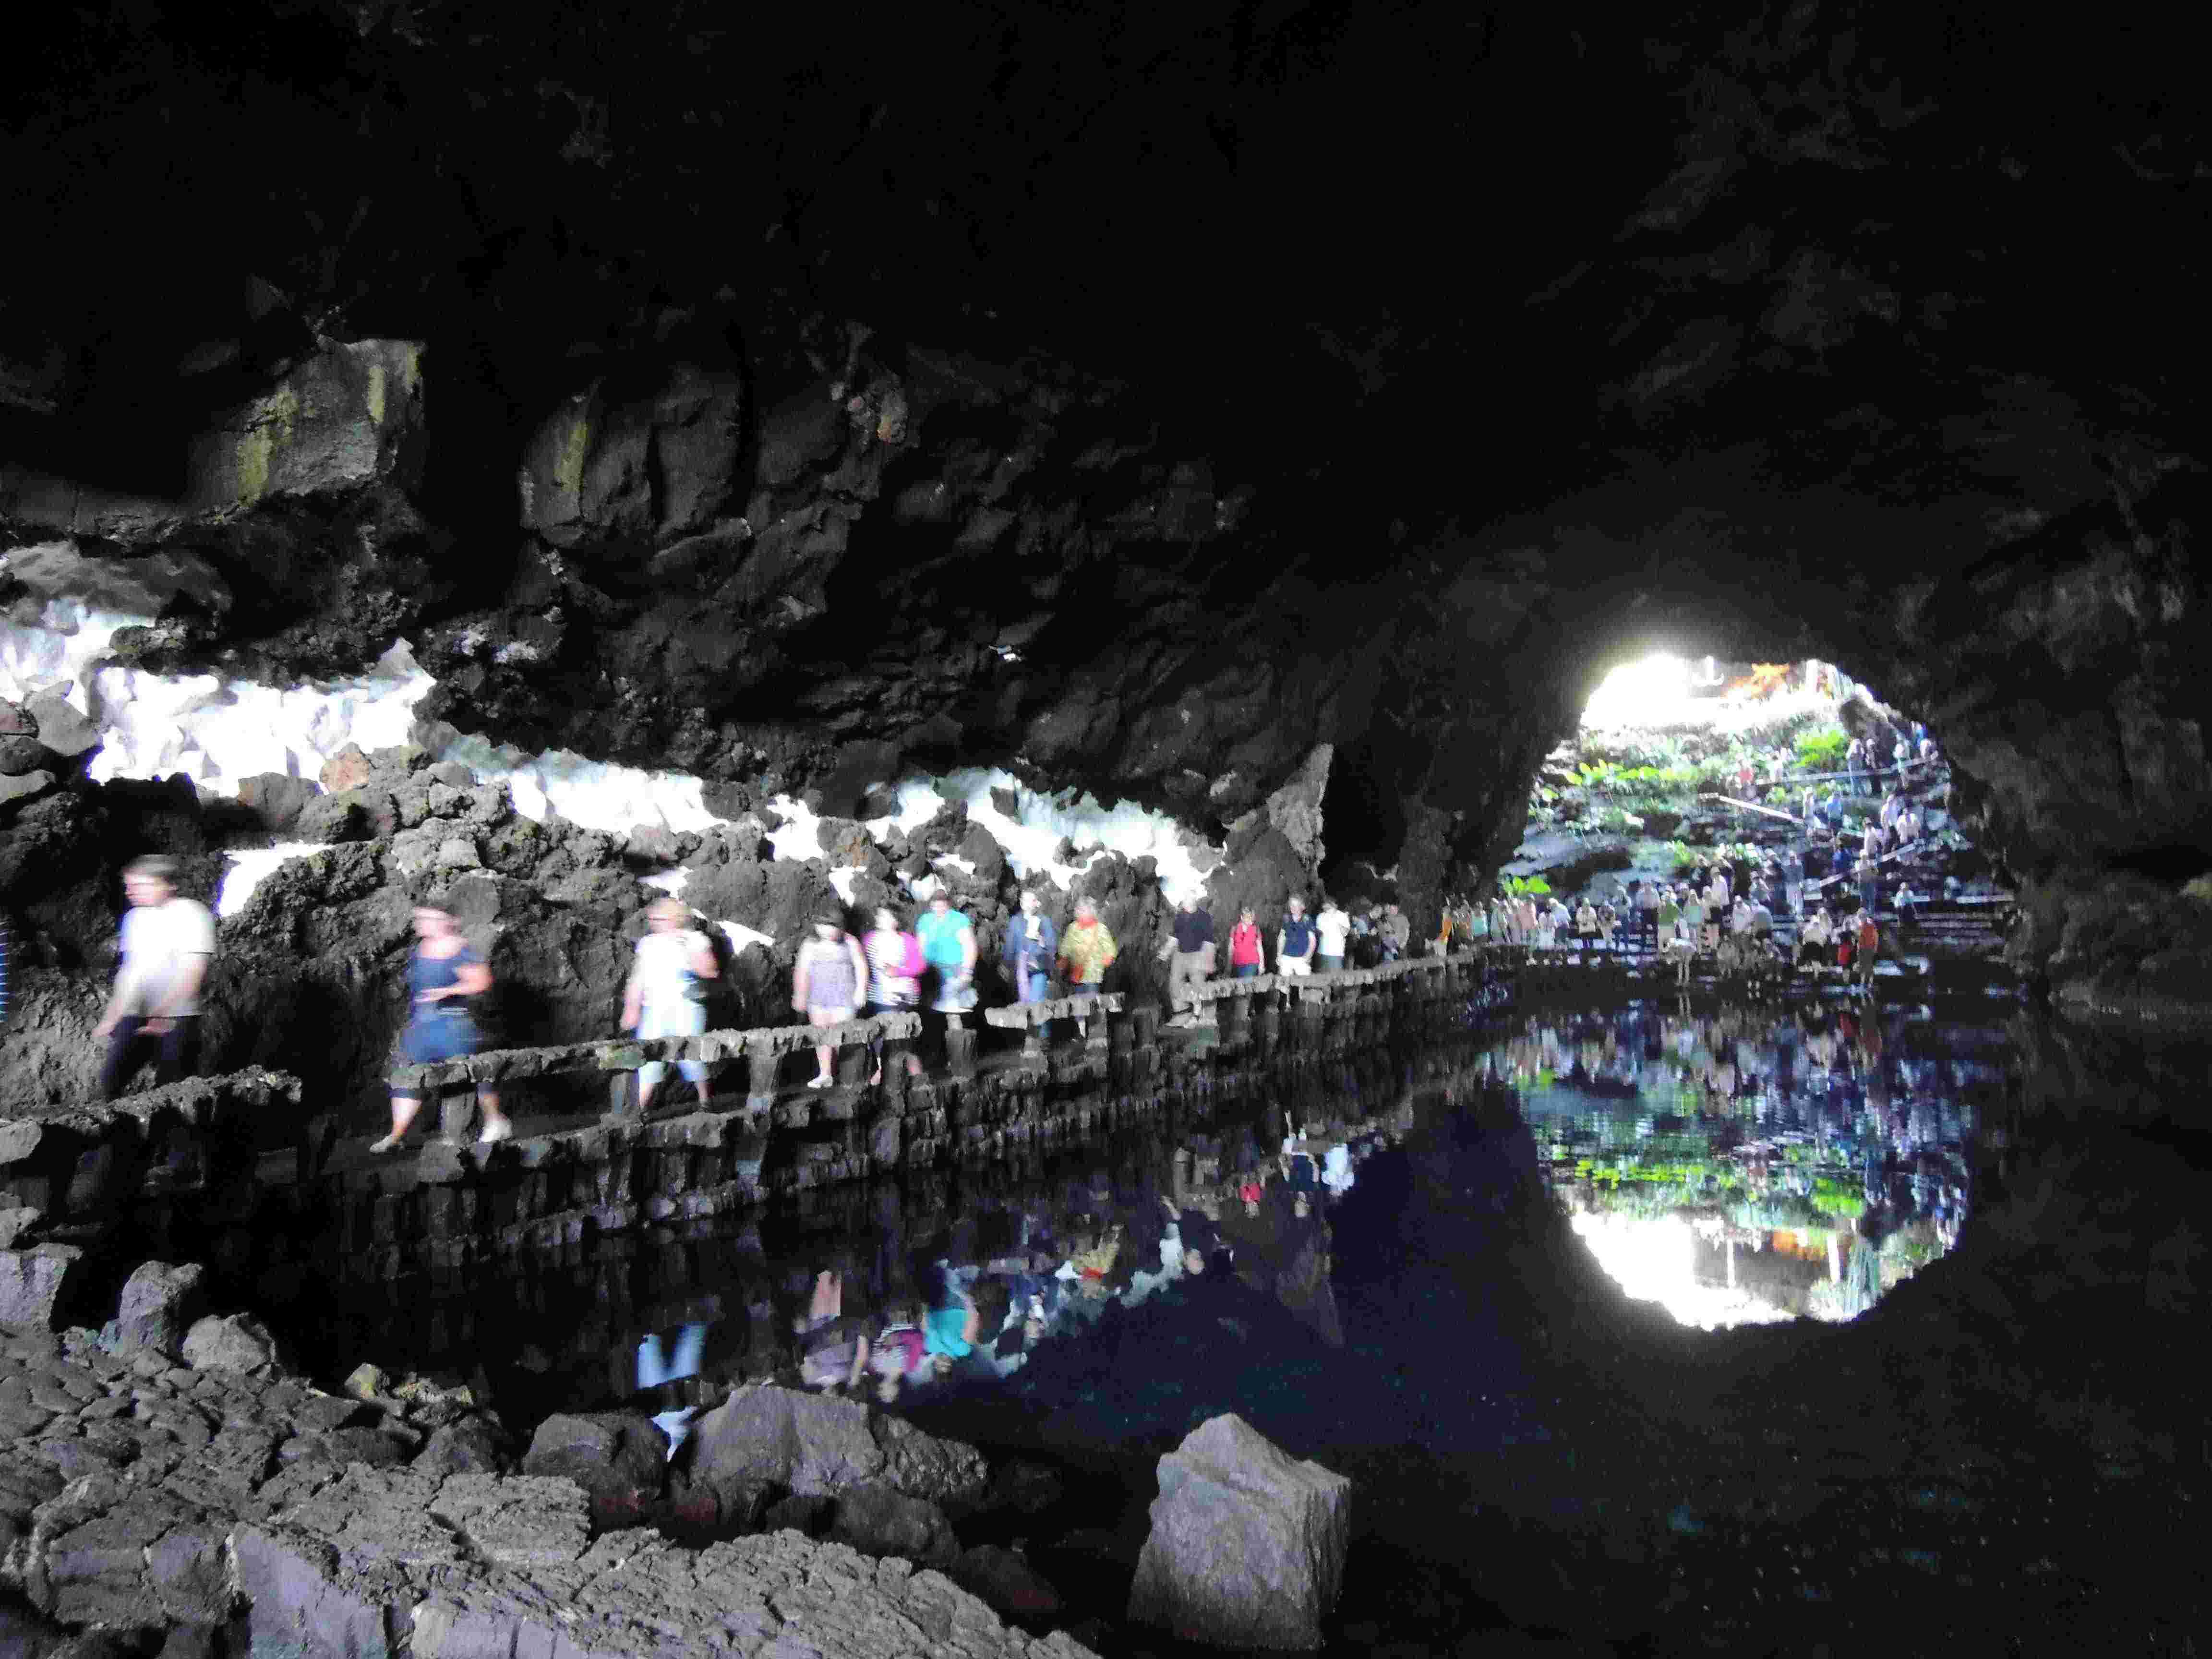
(552, 459)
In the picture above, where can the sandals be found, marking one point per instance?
(389, 1144)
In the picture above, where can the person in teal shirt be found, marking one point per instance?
(948, 945)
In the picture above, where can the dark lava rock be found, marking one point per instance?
(803, 1512)
(619, 1458)
(947, 1472)
(468, 1446)
(877, 1519)
(158, 1305)
(1024, 1487)
(277, 801)
(19, 754)
(1004, 1578)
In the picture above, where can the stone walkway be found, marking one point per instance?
(138, 1494)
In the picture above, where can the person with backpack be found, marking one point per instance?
(895, 969)
(1031, 943)
(666, 995)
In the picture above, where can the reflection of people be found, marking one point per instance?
(167, 942)
(443, 972)
(665, 997)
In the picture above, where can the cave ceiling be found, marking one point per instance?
(1141, 396)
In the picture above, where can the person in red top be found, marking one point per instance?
(1245, 955)
(1869, 947)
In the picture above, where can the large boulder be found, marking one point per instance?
(1247, 1545)
(619, 1458)
(33, 1283)
(159, 1302)
(804, 1443)
(230, 1342)
(810, 1444)
(276, 799)
(60, 727)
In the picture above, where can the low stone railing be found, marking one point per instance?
(83, 1164)
(764, 1052)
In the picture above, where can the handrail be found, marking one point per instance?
(630, 1054)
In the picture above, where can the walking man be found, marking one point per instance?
(167, 942)
(1194, 953)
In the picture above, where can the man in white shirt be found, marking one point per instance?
(1333, 924)
(167, 942)
(663, 998)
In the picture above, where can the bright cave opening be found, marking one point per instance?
(1728, 829)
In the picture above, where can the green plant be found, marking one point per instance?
(1822, 749)
(1526, 887)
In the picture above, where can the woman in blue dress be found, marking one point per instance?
(443, 973)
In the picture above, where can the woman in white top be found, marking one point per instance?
(664, 997)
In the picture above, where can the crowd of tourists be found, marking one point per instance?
(837, 977)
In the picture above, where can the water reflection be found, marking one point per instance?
(1753, 1163)
(948, 1284)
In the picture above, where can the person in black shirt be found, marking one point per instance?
(1194, 951)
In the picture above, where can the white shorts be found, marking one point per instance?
(684, 1018)
(1295, 967)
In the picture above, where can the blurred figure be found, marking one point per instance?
(828, 983)
(1332, 929)
(948, 945)
(168, 943)
(1295, 940)
(896, 964)
(1245, 949)
(443, 971)
(1193, 959)
(1032, 943)
(666, 995)
(1086, 952)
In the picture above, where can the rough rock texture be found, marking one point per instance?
(34, 1282)
(153, 1503)
(878, 1519)
(1248, 1544)
(619, 1458)
(812, 1445)
(160, 1303)
(230, 1342)
(894, 492)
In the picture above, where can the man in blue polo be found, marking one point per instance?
(1295, 940)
